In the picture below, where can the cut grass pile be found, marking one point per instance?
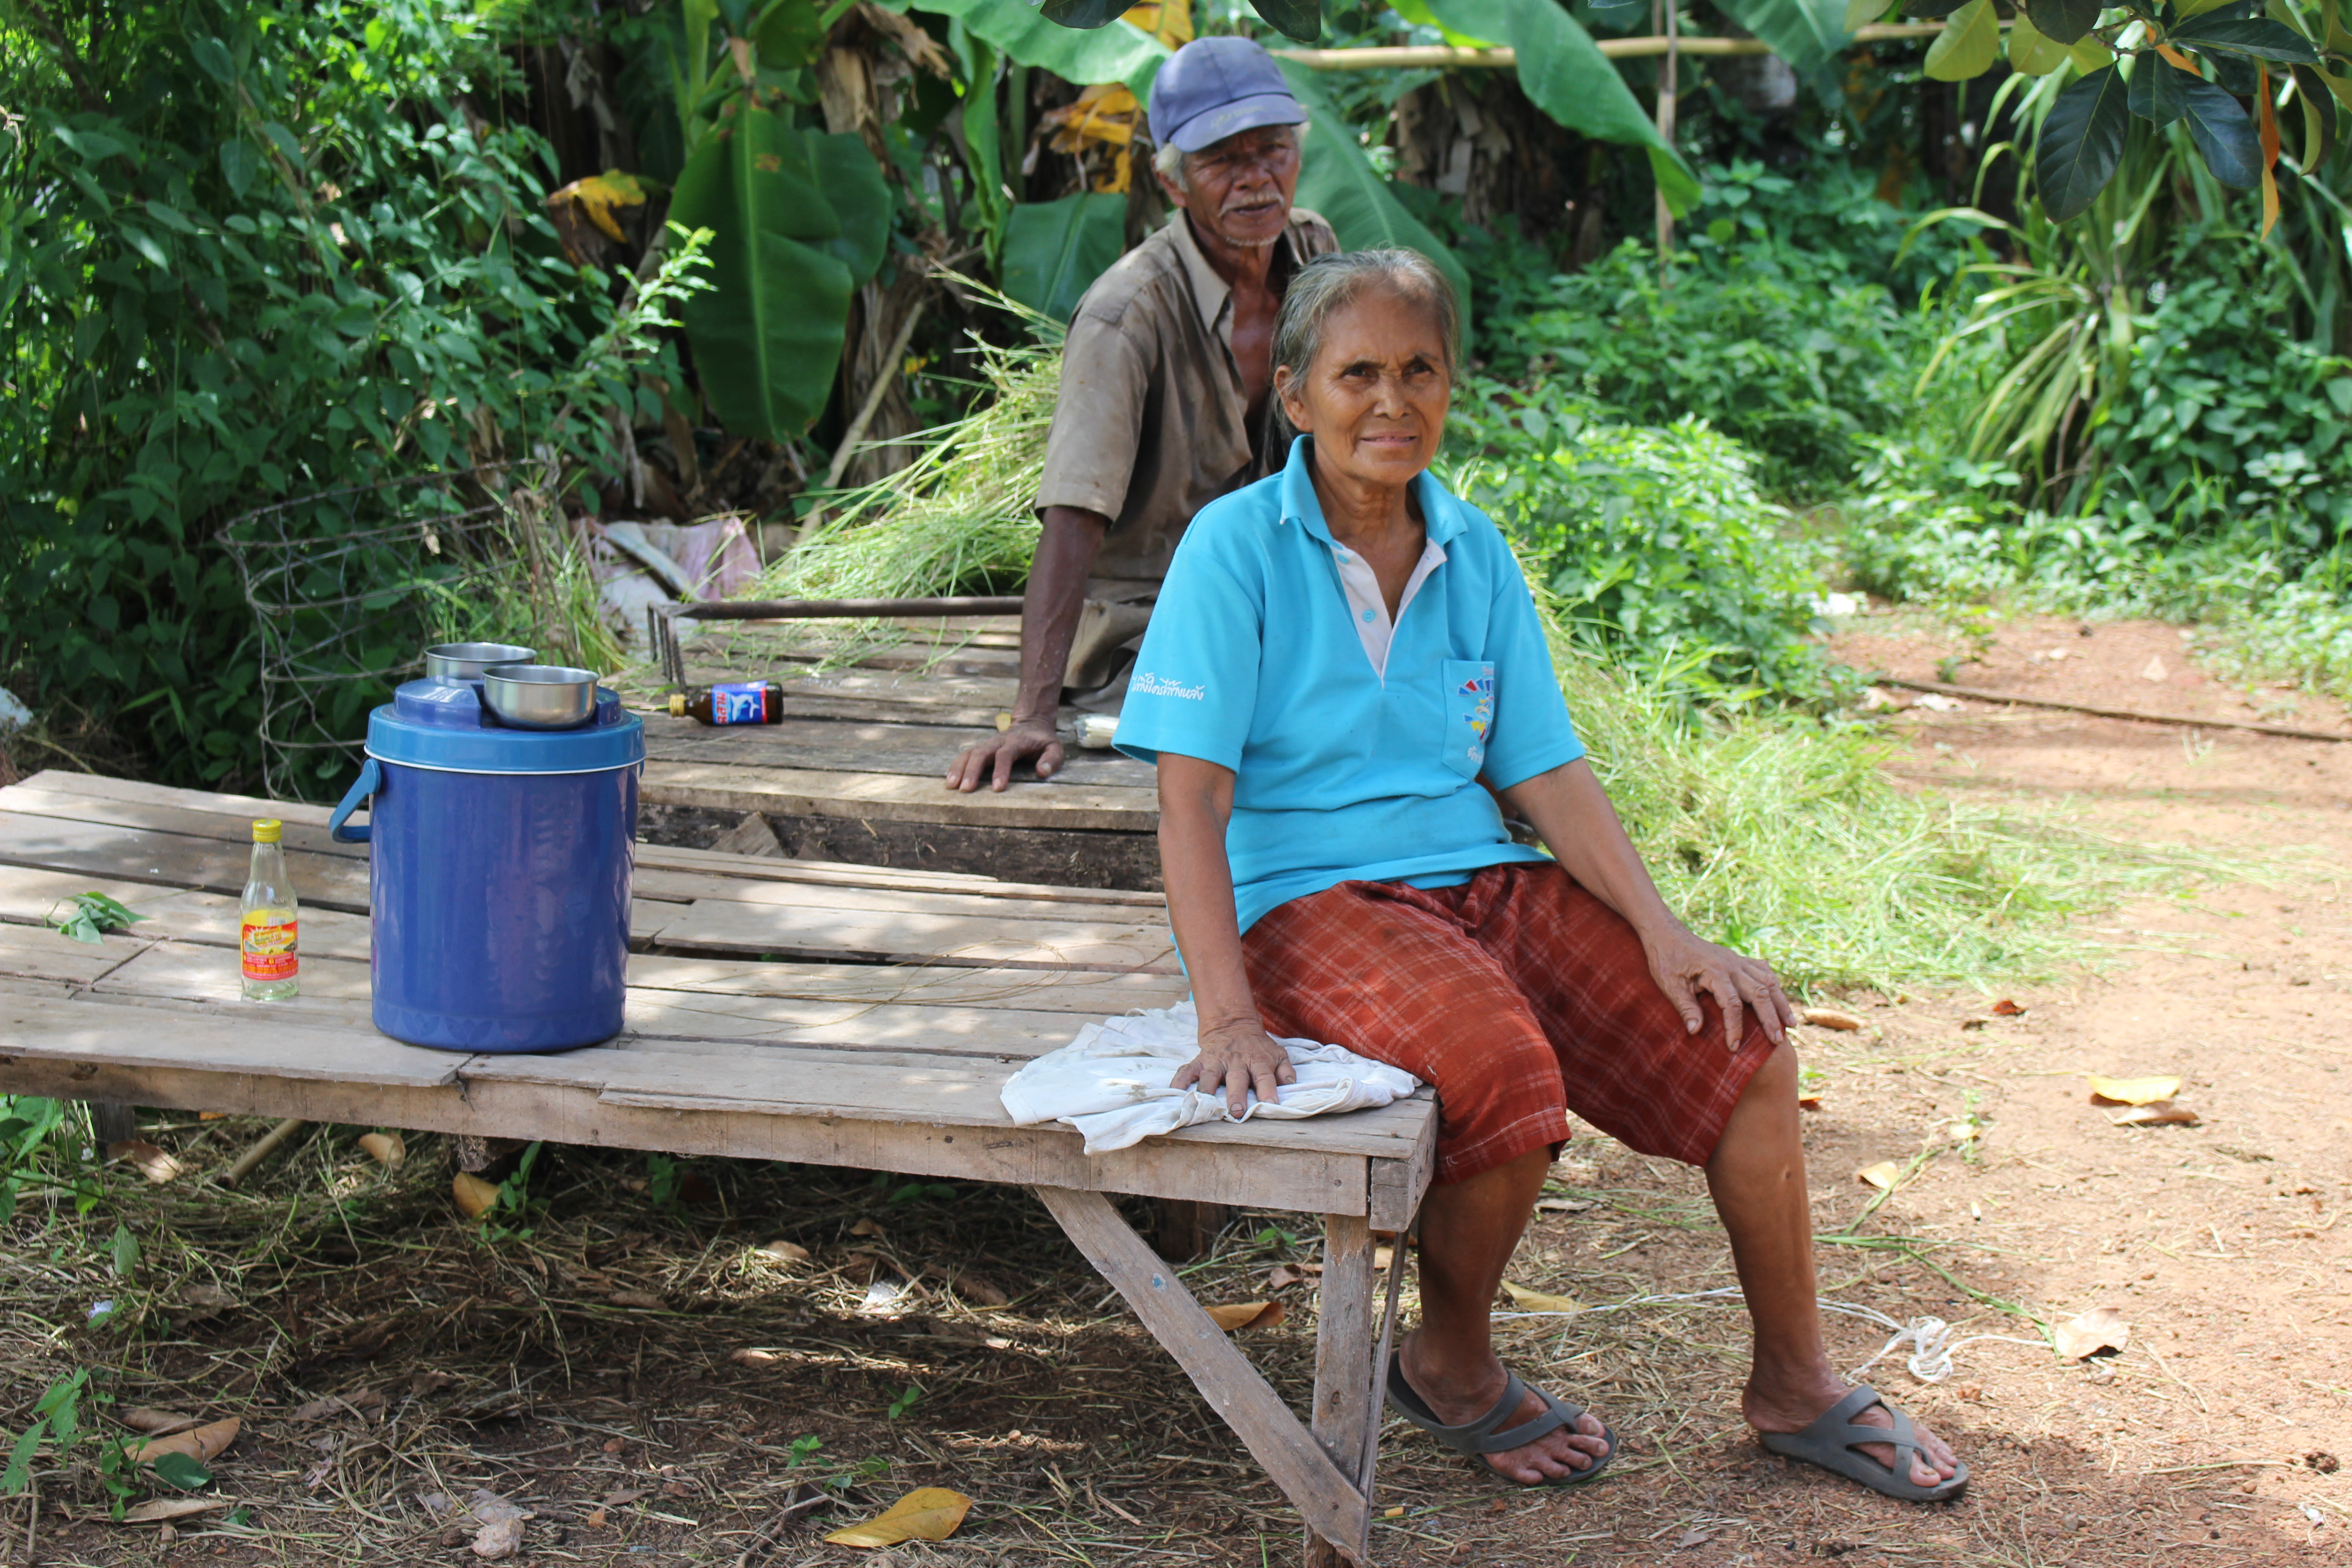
(957, 519)
(1786, 838)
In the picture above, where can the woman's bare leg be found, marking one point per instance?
(1758, 1176)
(1468, 1231)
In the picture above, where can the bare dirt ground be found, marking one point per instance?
(648, 1382)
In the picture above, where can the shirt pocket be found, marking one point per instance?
(1469, 710)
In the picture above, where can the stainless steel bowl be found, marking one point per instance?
(467, 660)
(539, 695)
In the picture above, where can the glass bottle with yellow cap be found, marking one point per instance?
(266, 933)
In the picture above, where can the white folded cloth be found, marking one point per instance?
(1111, 1083)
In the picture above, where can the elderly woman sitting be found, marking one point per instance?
(1344, 664)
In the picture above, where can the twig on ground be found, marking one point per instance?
(269, 1145)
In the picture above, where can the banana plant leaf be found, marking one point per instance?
(1338, 181)
(1053, 250)
(1565, 74)
(1117, 51)
(1808, 33)
(791, 237)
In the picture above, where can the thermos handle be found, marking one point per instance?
(339, 826)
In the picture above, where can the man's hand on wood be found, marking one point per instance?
(1238, 1057)
(1027, 738)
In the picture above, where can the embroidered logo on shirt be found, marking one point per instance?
(1480, 690)
(1150, 685)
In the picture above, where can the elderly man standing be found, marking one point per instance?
(1165, 399)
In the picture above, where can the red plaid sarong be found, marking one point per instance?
(1519, 995)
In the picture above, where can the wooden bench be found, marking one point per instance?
(778, 1010)
(853, 771)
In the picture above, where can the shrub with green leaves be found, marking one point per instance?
(1654, 542)
(1776, 326)
(248, 252)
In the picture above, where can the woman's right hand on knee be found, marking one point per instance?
(1236, 1058)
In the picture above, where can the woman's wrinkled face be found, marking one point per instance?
(1375, 397)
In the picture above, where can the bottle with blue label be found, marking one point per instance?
(742, 702)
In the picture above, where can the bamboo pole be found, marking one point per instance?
(1435, 56)
(261, 1151)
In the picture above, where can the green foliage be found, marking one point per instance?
(798, 219)
(1565, 74)
(1654, 542)
(1054, 251)
(1336, 180)
(245, 252)
(86, 917)
(1786, 355)
(1119, 51)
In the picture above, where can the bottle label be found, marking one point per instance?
(742, 704)
(268, 948)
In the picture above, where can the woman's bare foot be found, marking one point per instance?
(1790, 1404)
(1459, 1396)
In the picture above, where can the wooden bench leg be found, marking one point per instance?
(112, 1121)
(1325, 1493)
(1344, 1410)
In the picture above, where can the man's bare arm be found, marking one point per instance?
(1067, 548)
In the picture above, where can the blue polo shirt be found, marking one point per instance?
(1343, 773)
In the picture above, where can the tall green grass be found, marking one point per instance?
(1786, 839)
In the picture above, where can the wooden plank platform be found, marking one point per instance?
(855, 771)
(779, 1009)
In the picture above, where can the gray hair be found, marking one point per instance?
(1170, 161)
(1328, 284)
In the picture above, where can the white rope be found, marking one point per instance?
(1931, 1359)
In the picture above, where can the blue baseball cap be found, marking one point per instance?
(1215, 87)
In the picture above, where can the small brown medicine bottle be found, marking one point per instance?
(746, 703)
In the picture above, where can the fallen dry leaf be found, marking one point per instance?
(473, 1195)
(501, 1532)
(748, 1356)
(157, 1511)
(200, 1445)
(2101, 1328)
(2154, 668)
(1281, 1274)
(642, 1299)
(596, 1520)
(2156, 1113)
(625, 1496)
(160, 1423)
(387, 1148)
(926, 1513)
(1238, 1316)
(1564, 1206)
(785, 1252)
(2005, 1008)
(1528, 1301)
(1809, 1102)
(151, 1162)
(1829, 1018)
(1882, 1176)
(2131, 1091)
(866, 1227)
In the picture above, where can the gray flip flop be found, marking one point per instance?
(1834, 1443)
(1480, 1437)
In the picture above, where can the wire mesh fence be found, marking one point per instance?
(349, 587)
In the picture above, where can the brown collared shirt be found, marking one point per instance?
(1151, 425)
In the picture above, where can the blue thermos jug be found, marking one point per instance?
(500, 865)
